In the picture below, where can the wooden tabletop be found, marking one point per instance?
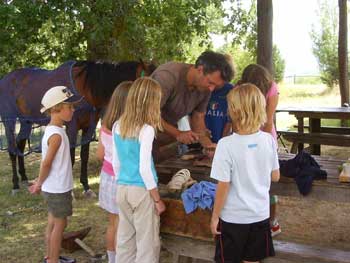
(318, 112)
(330, 189)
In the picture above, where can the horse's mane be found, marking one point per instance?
(102, 77)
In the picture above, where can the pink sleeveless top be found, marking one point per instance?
(107, 142)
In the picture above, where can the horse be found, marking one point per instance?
(94, 82)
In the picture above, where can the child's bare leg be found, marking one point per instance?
(48, 232)
(56, 238)
(111, 233)
(111, 236)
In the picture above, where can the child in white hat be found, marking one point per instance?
(55, 179)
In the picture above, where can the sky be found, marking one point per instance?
(292, 24)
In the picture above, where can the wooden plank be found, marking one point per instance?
(317, 138)
(175, 221)
(287, 249)
(284, 250)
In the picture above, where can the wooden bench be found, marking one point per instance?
(327, 190)
(203, 251)
(320, 138)
(329, 129)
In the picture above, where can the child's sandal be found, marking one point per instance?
(179, 180)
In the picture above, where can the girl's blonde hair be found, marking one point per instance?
(116, 104)
(259, 76)
(246, 105)
(142, 107)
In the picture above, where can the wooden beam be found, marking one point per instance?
(264, 50)
(343, 52)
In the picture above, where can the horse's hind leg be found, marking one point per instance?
(10, 126)
(21, 169)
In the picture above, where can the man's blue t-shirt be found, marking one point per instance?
(217, 116)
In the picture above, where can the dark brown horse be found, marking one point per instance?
(21, 92)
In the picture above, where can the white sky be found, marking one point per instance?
(292, 24)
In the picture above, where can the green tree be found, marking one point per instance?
(325, 43)
(243, 45)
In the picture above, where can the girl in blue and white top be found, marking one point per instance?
(138, 198)
(244, 164)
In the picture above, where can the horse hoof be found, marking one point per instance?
(25, 183)
(89, 194)
(14, 192)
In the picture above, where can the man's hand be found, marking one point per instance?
(209, 149)
(187, 137)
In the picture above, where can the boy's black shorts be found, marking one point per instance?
(237, 242)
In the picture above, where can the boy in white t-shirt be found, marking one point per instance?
(244, 165)
(55, 179)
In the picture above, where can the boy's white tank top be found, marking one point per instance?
(60, 179)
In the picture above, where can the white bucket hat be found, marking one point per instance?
(56, 95)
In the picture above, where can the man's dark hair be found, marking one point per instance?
(212, 61)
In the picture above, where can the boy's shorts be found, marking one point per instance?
(59, 204)
(237, 242)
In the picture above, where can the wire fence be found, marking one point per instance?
(302, 79)
(33, 144)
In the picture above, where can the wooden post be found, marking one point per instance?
(264, 50)
(343, 52)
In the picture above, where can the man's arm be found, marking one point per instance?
(198, 126)
(186, 137)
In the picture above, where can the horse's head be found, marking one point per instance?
(145, 69)
(96, 81)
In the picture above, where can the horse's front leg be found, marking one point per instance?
(22, 137)
(84, 156)
(15, 181)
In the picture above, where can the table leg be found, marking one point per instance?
(315, 126)
(300, 131)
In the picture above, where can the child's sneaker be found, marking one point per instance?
(275, 228)
(62, 259)
(89, 194)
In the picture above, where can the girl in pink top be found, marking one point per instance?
(108, 186)
(261, 77)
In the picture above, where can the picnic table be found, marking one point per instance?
(318, 134)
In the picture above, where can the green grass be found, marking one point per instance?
(23, 217)
(305, 95)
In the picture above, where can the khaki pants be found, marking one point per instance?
(138, 230)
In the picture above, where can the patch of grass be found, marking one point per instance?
(23, 217)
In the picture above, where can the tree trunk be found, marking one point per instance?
(265, 17)
(343, 52)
